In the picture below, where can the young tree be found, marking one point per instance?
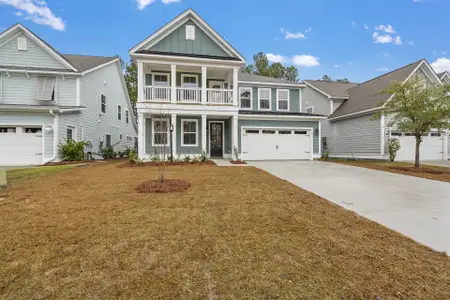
(131, 82)
(417, 107)
(261, 64)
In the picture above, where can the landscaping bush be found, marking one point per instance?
(187, 158)
(325, 155)
(133, 157)
(108, 152)
(72, 150)
(203, 156)
(394, 146)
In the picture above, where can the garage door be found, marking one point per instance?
(20, 145)
(273, 144)
(431, 148)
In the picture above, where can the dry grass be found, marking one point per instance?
(425, 171)
(168, 186)
(237, 233)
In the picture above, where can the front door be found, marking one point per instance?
(216, 139)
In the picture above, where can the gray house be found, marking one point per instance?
(46, 97)
(350, 130)
(189, 82)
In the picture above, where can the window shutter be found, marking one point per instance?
(22, 43)
(190, 32)
(44, 88)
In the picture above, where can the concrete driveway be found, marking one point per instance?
(416, 207)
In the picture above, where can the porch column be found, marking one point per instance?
(140, 70)
(204, 133)
(173, 84)
(234, 135)
(173, 122)
(141, 135)
(235, 86)
(204, 86)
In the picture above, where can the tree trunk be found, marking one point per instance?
(417, 161)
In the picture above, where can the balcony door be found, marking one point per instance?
(190, 85)
(215, 97)
(161, 89)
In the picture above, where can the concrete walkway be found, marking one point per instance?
(416, 207)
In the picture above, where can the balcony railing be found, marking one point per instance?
(188, 95)
(219, 96)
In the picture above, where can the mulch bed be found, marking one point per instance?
(238, 162)
(158, 164)
(168, 186)
(421, 170)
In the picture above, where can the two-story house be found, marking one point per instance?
(47, 97)
(193, 97)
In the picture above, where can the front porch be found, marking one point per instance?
(188, 134)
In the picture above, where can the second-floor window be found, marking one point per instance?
(283, 99)
(127, 116)
(119, 112)
(264, 99)
(245, 95)
(161, 79)
(103, 104)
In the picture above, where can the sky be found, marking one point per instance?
(354, 39)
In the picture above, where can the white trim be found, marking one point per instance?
(445, 75)
(251, 97)
(309, 107)
(259, 98)
(165, 31)
(310, 129)
(40, 43)
(182, 133)
(382, 143)
(219, 82)
(186, 60)
(153, 132)
(418, 67)
(317, 90)
(320, 137)
(362, 112)
(100, 66)
(280, 117)
(223, 110)
(223, 136)
(271, 83)
(168, 74)
(183, 75)
(331, 106)
(6, 70)
(288, 99)
(300, 99)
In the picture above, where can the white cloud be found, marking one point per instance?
(36, 11)
(382, 39)
(170, 1)
(295, 36)
(382, 69)
(441, 65)
(308, 30)
(366, 27)
(398, 40)
(144, 3)
(19, 13)
(387, 29)
(307, 61)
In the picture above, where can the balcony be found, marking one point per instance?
(188, 95)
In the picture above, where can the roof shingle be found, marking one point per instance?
(86, 62)
(333, 89)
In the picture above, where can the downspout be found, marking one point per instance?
(55, 135)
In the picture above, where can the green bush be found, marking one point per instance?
(187, 158)
(203, 156)
(133, 157)
(108, 152)
(72, 150)
(155, 158)
(325, 155)
(394, 146)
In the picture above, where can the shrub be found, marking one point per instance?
(325, 155)
(236, 154)
(133, 157)
(72, 150)
(108, 152)
(203, 156)
(187, 158)
(127, 151)
(394, 146)
(120, 154)
(155, 158)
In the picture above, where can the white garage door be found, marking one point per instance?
(431, 148)
(20, 145)
(273, 144)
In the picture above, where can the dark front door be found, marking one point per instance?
(216, 139)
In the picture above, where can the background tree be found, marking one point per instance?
(261, 66)
(291, 74)
(130, 74)
(344, 80)
(326, 78)
(417, 108)
(277, 70)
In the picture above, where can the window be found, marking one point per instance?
(189, 133)
(252, 131)
(283, 99)
(435, 134)
(160, 132)
(7, 129)
(264, 99)
(396, 133)
(310, 110)
(190, 32)
(22, 43)
(245, 95)
(268, 131)
(45, 88)
(160, 79)
(103, 104)
(119, 112)
(120, 136)
(300, 132)
(127, 117)
(32, 130)
(108, 140)
(284, 132)
(190, 81)
(69, 133)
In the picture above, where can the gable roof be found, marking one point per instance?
(331, 89)
(244, 77)
(443, 74)
(86, 62)
(366, 96)
(179, 20)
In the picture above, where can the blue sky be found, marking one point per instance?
(357, 39)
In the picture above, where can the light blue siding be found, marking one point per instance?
(294, 98)
(176, 42)
(35, 56)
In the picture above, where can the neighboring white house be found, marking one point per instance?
(189, 80)
(47, 97)
(350, 130)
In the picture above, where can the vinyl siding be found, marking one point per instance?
(96, 125)
(176, 42)
(66, 91)
(336, 104)
(272, 123)
(16, 118)
(354, 136)
(294, 98)
(320, 102)
(35, 56)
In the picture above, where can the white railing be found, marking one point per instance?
(189, 95)
(219, 96)
(156, 93)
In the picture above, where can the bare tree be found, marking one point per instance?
(161, 139)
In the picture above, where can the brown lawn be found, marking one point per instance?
(237, 233)
(425, 171)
